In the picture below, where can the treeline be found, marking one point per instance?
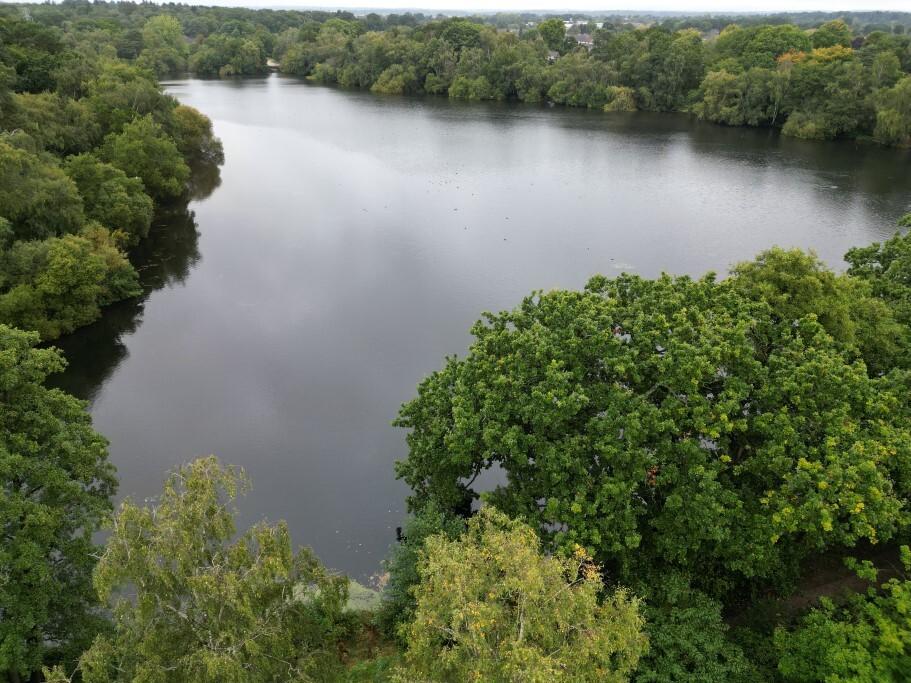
(171, 38)
(861, 23)
(680, 458)
(89, 147)
(819, 84)
(820, 80)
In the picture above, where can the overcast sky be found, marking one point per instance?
(720, 6)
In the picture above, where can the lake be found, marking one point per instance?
(351, 240)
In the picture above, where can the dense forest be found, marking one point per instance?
(821, 83)
(90, 148)
(701, 479)
(811, 75)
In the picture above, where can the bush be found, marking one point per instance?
(800, 125)
(396, 80)
(621, 99)
(687, 639)
(465, 88)
(866, 639)
(397, 607)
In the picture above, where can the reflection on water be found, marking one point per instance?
(204, 180)
(353, 240)
(163, 259)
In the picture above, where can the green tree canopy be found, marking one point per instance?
(34, 52)
(831, 33)
(491, 607)
(795, 284)
(756, 75)
(665, 424)
(122, 92)
(60, 125)
(893, 114)
(461, 33)
(225, 55)
(193, 135)
(142, 149)
(887, 267)
(57, 285)
(110, 197)
(205, 604)
(55, 490)
(36, 197)
(868, 638)
(164, 49)
(770, 42)
(7, 80)
(688, 640)
(553, 32)
(398, 603)
(827, 94)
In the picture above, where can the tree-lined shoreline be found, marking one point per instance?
(90, 149)
(678, 455)
(812, 75)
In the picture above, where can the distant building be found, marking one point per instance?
(585, 40)
(553, 56)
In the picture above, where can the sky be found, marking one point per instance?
(718, 6)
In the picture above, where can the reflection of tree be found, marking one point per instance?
(165, 258)
(93, 352)
(862, 171)
(171, 250)
(204, 181)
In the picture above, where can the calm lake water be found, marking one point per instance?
(351, 241)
